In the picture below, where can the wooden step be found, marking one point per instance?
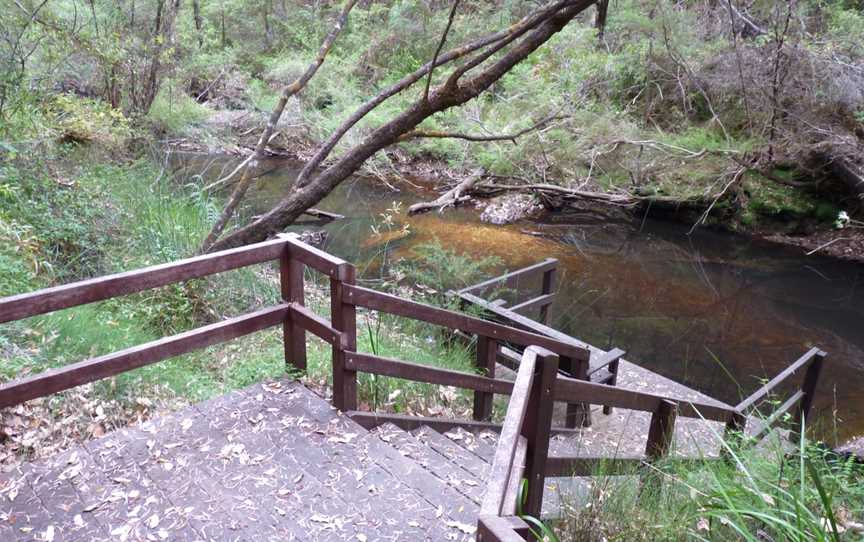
(464, 459)
(406, 501)
(482, 444)
(443, 468)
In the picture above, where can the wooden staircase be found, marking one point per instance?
(271, 462)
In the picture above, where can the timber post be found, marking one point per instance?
(487, 353)
(293, 336)
(808, 388)
(547, 288)
(344, 319)
(537, 428)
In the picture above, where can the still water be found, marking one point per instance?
(715, 311)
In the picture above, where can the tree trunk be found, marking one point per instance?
(448, 95)
(199, 22)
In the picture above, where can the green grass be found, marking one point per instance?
(762, 493)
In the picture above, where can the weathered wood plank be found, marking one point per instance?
(54, 380)
(88, 291)
(511, 429)
(372, 299)
(417, 372)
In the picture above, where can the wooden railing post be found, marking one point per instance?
(733, 434)
(548, 286)
(578, 414)
(537, 428)
(343, 315)
(808, 388)
(662, 430)
(293, 336)
(487, 353)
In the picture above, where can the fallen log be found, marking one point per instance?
(326, 215)
(452, 197)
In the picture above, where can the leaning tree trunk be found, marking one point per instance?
(448, 95)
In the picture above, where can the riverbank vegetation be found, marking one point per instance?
(748, 118)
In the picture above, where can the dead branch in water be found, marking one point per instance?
(452, 197)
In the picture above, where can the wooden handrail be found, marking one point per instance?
(545, 265)
(540, 301)
(784, 375)
(311, 322)
(571, 389)
(63, 378)
(416, 372)
(375, 300)
(47, 300)
(505, 452)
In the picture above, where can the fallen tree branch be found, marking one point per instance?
(825, 245)
(452, 197)
(268, 132)
(318, 213)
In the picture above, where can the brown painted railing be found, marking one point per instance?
(522, 451)
(79, 293)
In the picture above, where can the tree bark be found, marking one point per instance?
(444, 97)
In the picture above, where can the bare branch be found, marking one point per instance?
(525, 24)
(438, 50)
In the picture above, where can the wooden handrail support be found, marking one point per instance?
(811, 362)
(759, 395)
(22, 306)
(18, 307)
(511, 431)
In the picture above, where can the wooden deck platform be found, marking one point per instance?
(271, 462)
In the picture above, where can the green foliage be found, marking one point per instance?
(762, 493)
(84, 120)
(172, 111)
(442, 269)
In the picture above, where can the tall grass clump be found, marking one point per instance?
(769, 492)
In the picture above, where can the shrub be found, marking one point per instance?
(173, 111)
